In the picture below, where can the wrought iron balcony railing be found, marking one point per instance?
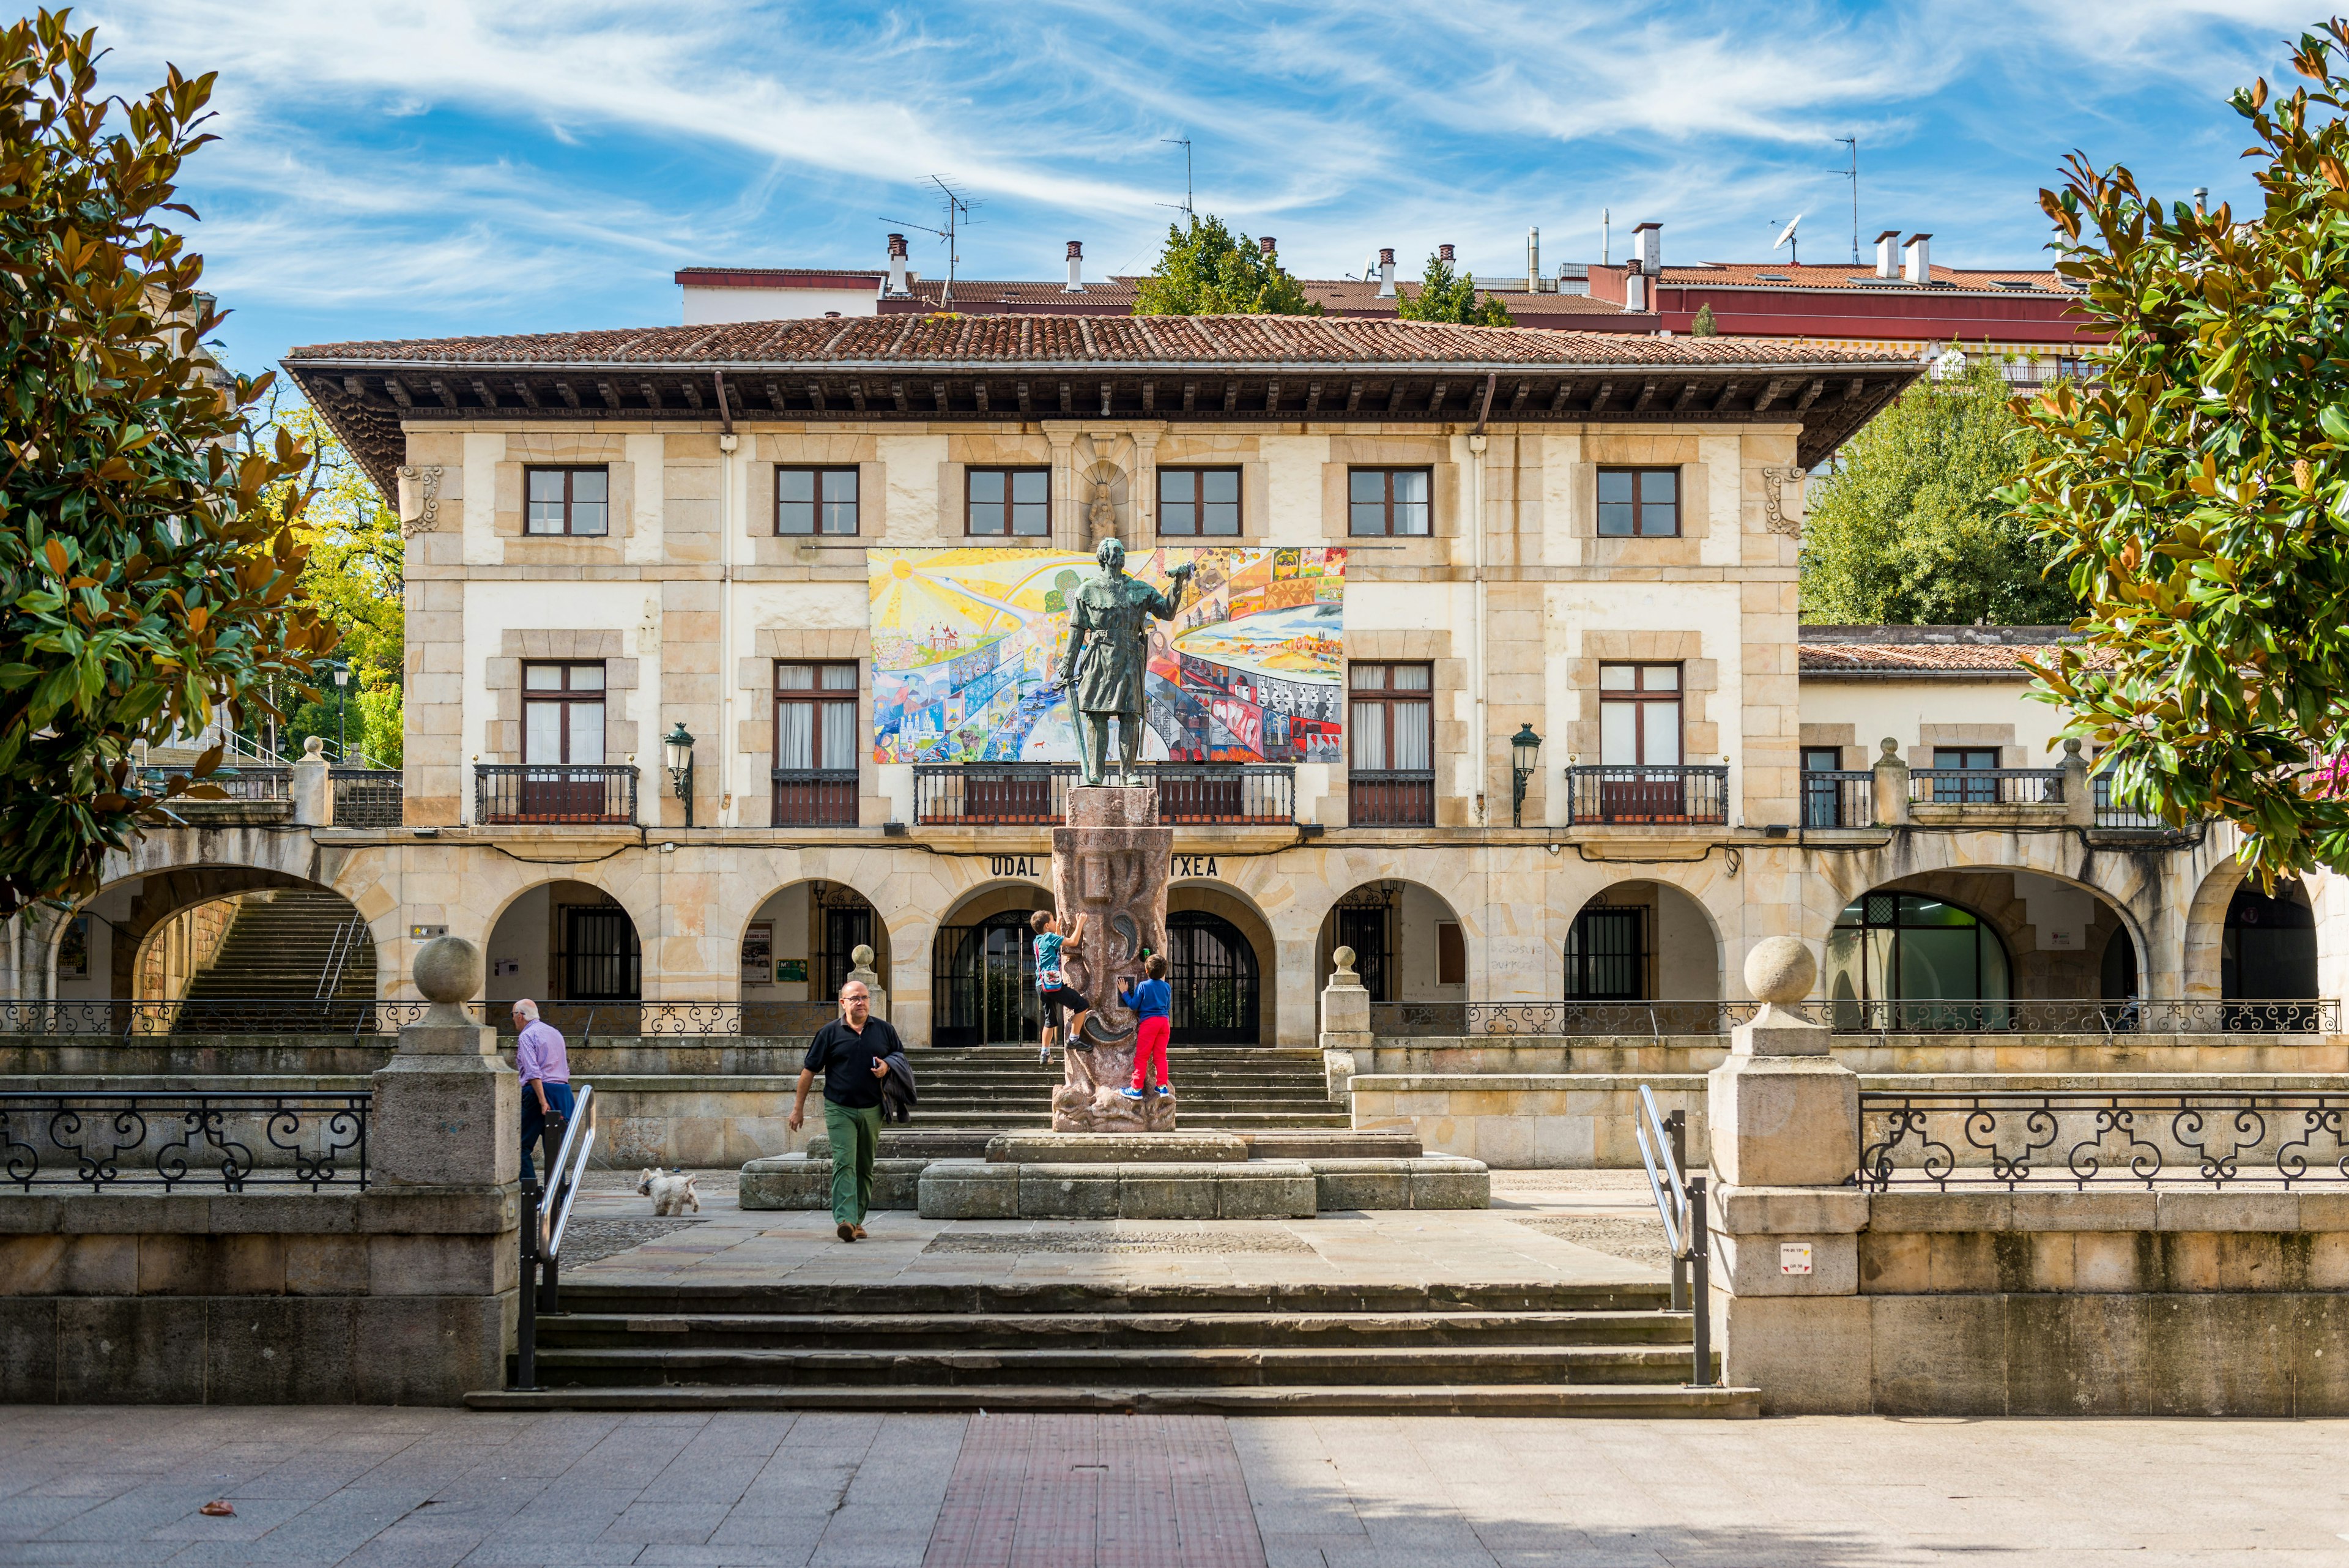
(260, 782)
(1986, 786)
(555, 793)
(368, 797)
(2012, 1138)
(98, 1139)
(1608, 794)
(2068, 1015)
(815, 797)
(1012, 794)
(102, 1018)
(1393, 798)
(1842, 797)
(1234, 793)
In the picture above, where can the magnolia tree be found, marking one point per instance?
(2197, 493)
(144, 565)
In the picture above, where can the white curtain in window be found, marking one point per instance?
(541, 738)
(1413, 740)
(839, 735)
(1370, 736)
(794, 735)
(587, 732)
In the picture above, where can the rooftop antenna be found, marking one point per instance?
(1852, 174)
(1786, 237)
(957, 218)
(1185, 208)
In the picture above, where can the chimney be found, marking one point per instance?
(1268, 245)
(1444, 252)
(1076, 267)
(2201, 200)
(1635, 287)
(1648, 249)
(1917, 260)
(897, 263)
(1532, 260)
(1386, 273)
(1887, 263)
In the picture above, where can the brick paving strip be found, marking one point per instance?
(1093, 1491)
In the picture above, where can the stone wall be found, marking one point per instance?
(1877, 1054)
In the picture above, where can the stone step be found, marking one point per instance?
(949, 1332)
(1589, 1399)
(1104, 1298)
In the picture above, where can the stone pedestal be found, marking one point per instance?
(447, 1110)
(1346, 1037)
(1110, 865)
(310, 787)
(860, 969)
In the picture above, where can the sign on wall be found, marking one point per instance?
(967, 644)
(758, 951)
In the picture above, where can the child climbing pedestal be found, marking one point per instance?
(1110, 865)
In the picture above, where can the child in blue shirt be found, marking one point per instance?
(1151, 1002)
(1052, 984)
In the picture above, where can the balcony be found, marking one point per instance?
(815, 797)
(1840, 797)
(1685, 794)
(1397, 798)
(597, 795)
(264, 784)
(1037, 794)
(1986, 786)
(369, 798)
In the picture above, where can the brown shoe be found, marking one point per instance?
(860, 1232)
(846, 1232)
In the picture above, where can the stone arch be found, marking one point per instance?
(804, 916)
(546, 941)
(981, 991)
(2053, 928)
(1676, 945)
(1215, 897)
(1396, 926)
(131, 915)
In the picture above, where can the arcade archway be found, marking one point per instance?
(983, 969)
(564, 942)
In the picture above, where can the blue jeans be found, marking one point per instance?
(537, 1124)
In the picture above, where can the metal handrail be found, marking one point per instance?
(548, 1216)
(338, 957)
(1680, 1202)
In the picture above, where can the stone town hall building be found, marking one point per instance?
(616, 536)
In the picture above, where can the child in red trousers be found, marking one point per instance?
(1151, 1002)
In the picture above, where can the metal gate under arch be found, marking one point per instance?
(983, 984)
(1212, 968)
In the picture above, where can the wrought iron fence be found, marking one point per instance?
(1236, 793)
(2127, 1015)
(1399, 798)
(2010, 1137)
(263, 781)
(1693, 794)
(2111, 812)
(98, 1139)
(992, 793)
(1839, 797)
(368, 797)
(519, 793)
(815, 797)
(1986, 786)
(100, 1018)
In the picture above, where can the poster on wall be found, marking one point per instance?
(966, 642)
(758, 951)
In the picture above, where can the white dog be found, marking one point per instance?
(671, 1194)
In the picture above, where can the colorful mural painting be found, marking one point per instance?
(966, 645)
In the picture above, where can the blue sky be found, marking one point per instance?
(434, 168)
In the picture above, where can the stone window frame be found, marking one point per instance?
(1424, 469)
(1617, 448)
(509, 505)
(1639, 473)
(1385, 646)
(2001, 738)
(568, 470)
(1701, 736)
(755, 737)
(818, 470)
(501, 684)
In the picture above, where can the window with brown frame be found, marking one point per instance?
(1639, 503)
(562, 714)
(1639, 715)
(573, 500)
(815, 774)
(1007, 503)
(815, 501)
(1200, 502)
(1389, 502)
(1391, 724)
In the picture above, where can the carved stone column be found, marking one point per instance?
(1108, 865)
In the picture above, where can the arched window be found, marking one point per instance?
(1212, 970)
(983, 983)
(1905, 961)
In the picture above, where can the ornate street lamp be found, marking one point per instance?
(677, 749)
(1524, 746)
(342, 707)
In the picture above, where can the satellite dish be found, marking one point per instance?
(1788, 233)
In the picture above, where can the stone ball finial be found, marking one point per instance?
(1781, 970)
(2070, 745)
(448, 969)
(1891, 748)
(860, 956)
(1343, 958)
(311, 746)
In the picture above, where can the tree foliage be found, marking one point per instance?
(354, 577)
(1207, 270)
(1704, 325)
(2197, 493)
(1909, 528)
(144, 580)
(1445, 295)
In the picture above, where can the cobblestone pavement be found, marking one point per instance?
(407, 1489)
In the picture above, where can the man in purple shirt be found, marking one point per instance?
(546, 1069)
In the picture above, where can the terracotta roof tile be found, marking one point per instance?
(1943, 659)
(1842, 276)
(1076, 340)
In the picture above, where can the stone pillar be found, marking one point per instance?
(1345, 1024)
(313, 788)
(1784, 1124)
(2079, 789)
(1891, 787)
(448, 1110)
(1110, 865)
(860, 968)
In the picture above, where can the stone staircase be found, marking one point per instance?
(1522, 1350)
(279, 945)
(1220, 1089)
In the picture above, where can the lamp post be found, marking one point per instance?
(342, 708)
(1524, 747)
(677, 749)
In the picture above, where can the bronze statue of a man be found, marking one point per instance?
(1107, 663)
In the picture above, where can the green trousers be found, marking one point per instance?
(855, 1133)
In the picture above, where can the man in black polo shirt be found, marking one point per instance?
(852, 1052)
